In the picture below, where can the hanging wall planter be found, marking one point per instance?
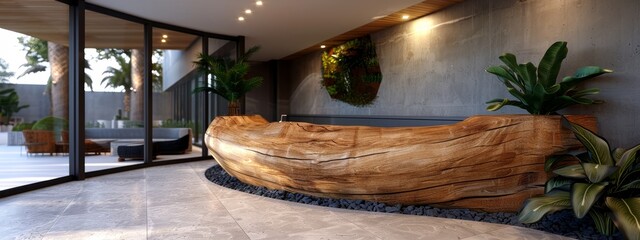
(351, 73)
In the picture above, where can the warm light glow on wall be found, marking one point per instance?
(240, 19)
(422, 26)
(165, 36)
(163, 40)
(248, 11)
(405, 17)
(259, 3)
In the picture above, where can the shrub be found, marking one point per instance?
(51, 123)
(605, 185)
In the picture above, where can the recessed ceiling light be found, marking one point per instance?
(323, 46)
(405, 17)
(240, 19)
(165, 36)
(248, 11)
(259, 3)
(163, 40)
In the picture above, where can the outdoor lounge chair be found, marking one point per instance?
(178, 146)
(39, 141)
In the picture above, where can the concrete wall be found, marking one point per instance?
(99, 105)
(434, 66)
(178, 63)
(260, 100)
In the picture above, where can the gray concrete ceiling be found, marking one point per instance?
(281, 27)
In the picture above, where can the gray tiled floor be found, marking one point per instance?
(177, 202)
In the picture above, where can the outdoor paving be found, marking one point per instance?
(177, 202)
(19, 169)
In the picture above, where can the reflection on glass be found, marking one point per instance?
(114, 100)
(34, 109)
(175, 108)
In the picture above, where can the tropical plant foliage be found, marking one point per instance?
(118, 76)
(604, 184)
(37, 54)
(351, 72)
(228, 75)
(4, 74)
(9, 104)
(536, 89)
(123, 60)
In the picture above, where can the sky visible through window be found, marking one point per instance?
(13, 54)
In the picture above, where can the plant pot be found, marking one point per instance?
(234, 108)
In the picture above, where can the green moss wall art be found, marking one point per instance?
(351, 72)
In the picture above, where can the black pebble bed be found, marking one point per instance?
(561, 223)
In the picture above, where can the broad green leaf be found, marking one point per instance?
(520, 96)
(626, 215)
(555, 159)
(617, 154)
(559, 183)
(604, 223)
(553, 89)
(597, 146)
(494, 106)
(581, 75)
(538, 96)
(510, 60)
(573, 171)
(626, 162)
(586, 92)
(536, 207)
(635, 184)
(597, 172)
(584, 195)
(550, 64)
(528, 74)
(505, 76)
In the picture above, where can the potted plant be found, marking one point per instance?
(604, 184)
(536, 89)
(228, 77)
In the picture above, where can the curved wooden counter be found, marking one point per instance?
(490, 163)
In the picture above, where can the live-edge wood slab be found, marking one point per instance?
(490, 163)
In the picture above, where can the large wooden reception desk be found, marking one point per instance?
(490, 163)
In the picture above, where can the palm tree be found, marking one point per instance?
(228, 77)
(39, 52)
(120, 76)
(131, 64)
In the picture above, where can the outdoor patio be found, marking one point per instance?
(21, 169)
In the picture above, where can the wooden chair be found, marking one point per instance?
(39, 141)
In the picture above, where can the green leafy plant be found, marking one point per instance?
(22, 126)
(51, 123)
(229, 79)
(536, 89)
(351, 72)
(9, 104)
(604, 184)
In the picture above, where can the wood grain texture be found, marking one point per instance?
(490, 163)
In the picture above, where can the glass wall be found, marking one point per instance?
(114, 96)
(176, 108)
(220, 48)
(35, 64)
(34, 97)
